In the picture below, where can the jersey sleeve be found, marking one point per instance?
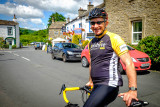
(118, 45)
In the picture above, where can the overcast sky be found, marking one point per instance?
(34, 14)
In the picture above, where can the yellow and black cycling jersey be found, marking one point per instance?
(104, 52)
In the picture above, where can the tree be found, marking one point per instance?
(57, 17)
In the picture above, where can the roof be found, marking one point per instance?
(5, 22)
(86, 13)
(57, 25)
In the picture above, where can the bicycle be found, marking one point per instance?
(88, 89)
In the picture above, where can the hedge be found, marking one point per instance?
(151, 46)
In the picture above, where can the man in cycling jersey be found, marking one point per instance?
(105, 51)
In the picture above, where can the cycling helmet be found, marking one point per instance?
(98, 12)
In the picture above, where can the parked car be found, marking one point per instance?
(140, 59)
(38, 45)
(66, 51)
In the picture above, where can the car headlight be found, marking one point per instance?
(69, 52)
(133, 59)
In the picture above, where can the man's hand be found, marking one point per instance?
(89, 84)
(128, 96)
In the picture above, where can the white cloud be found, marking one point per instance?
(36, 21)
(69, 6)
(30, 12)
(20, 10)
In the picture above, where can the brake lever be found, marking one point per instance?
(62, 88)
(139, 103)
(86, 88)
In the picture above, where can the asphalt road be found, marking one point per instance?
(30, 78)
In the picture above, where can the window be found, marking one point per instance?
(10, 31)
(80, 25)
(90, 27)
(67, 29)
(136, 31)
(56, 33)
(73, 27)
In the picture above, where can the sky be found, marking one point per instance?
(34, 14)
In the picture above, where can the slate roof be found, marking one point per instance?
(57, 25)
(5, 22)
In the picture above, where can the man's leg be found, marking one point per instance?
(101, 96)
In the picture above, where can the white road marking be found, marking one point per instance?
(25, 58)
(16, 54)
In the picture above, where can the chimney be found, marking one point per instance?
(81, 11)
(68, 20)
(14, 18)
(53, 20)
(90, 6)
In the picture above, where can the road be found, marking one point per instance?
(30, 78)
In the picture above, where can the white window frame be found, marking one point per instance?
(135, 43)
(10, 30)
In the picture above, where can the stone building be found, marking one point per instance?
(55, 29)
(133, 19)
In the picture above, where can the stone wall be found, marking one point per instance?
(54, 35)
(122, 12)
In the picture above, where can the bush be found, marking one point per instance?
(75, 39)
(6, 45)
(14, 46)
(151, 46)
(1, 42)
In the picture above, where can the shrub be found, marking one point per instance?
(6, 46)
(151, 46)
(1, 42)
(75, 39)
(14, 46)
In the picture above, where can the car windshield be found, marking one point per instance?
(130, 48)
(70, 45)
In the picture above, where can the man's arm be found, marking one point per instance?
(90, 83)
(132, 79)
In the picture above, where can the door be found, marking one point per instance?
(60, 50)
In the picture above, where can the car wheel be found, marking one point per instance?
(85, 62)
(64, 58)
(53, 57)
(120, 68)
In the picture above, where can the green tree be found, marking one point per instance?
(57, 17)
(33, 36)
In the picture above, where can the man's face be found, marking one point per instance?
(98, 25)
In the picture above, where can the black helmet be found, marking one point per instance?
(98, 12)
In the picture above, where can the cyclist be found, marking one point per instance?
(105, 50)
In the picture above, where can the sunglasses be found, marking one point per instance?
(99, 22)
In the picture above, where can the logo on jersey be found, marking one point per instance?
(100, 45)
(123, 47)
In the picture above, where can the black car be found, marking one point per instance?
(66, 51)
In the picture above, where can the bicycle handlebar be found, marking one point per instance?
(134, 103)
(64, 89)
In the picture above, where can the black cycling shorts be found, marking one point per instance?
(101, 96)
